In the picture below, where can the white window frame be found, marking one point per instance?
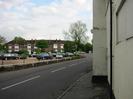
(55, 46)
(118, 9)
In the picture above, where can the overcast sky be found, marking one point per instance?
(42, 19)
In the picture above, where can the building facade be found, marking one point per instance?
(30, 46)
(122, 45)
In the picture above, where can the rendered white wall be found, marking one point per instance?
(122, 51)
(99, 39)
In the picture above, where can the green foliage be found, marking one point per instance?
(81, 47)
(38, 51)
(2, 40)
(19, 40)
(69, 46)
(88, 47)
(24, 52)
(3, 48)
(42, 44)
(77, 33)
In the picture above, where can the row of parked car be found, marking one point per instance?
(6, 56)
(53, 55)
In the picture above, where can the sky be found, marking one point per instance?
(42, 19)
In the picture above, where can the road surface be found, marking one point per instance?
(45, 82)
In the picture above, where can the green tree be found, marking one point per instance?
(19, 40)
(2, 40)
(2, 46)
(69, 46)
(23, 54)
(42, 44)
(77, 33)
(88, 47)
(38, 51)
(82, 47)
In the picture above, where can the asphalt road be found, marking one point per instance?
(45, 82)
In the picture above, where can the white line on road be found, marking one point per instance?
(58, 69)
(81, 62)
(24, 81)
(75, 64)
(72, 65)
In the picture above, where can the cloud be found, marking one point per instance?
(30, 20)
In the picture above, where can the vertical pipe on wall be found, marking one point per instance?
(111, 28)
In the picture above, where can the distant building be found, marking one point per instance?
(30, 46)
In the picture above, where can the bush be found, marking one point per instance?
(23, 54)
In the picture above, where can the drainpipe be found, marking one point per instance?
(111, 29)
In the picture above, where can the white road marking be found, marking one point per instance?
(76, 64)
(58, 69)
(24, 81)
(72, 65)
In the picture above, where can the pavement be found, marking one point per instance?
(83, 88)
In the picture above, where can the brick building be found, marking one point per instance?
(30, 46)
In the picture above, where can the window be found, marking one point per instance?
(124, 21)
(129, 18)
(29, 46)
(62, 46)
(16, 47)
(10, 47)
(55, 46)
(121, 23)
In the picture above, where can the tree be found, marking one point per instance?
(2, 40)
(82, 47)
(19, 40)
(77, 33)
(2, 46)
(88, 47)
(69, 46)
(23, 54)
(37, 51)
(42, 44)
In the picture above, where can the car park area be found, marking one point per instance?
(15, 59)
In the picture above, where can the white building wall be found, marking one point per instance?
(122, 48)
(99, 39)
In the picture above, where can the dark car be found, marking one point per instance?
(43, 56)
(7, 56)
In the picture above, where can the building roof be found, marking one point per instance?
(34, 41)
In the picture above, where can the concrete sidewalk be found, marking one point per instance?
(85, 89)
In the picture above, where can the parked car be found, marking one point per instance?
(59, 56)
(10, 56)
(69, 54)
(44, 56)
(54, 54)
(33, 55)
(64, 54)
(1, 56)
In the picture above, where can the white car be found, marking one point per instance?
(59, 56)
